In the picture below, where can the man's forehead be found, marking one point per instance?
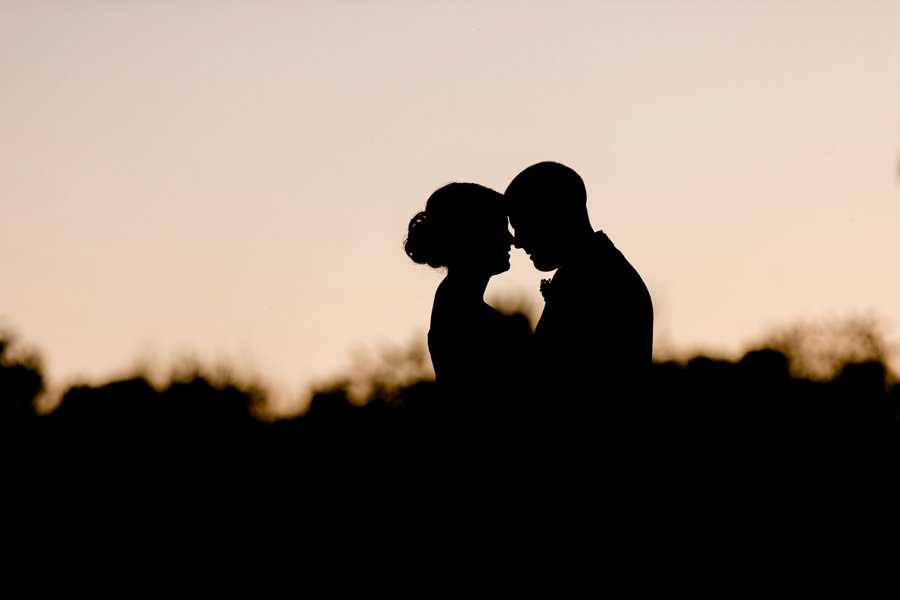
(524, 210)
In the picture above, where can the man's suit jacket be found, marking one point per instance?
(594, 339)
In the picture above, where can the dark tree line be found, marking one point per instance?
(735, 427)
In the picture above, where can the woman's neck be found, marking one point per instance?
(468, 282)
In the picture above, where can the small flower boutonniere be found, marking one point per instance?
(546, 288)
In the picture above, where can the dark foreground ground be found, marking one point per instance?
(720, 476)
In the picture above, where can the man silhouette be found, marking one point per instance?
(595, 335)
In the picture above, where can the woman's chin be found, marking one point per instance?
(543, 265)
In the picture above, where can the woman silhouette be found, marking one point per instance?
(479, 354)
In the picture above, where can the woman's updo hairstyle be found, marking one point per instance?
(451, 214)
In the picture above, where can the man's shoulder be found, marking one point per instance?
(602, 247)
(599, 251)
(599, 260)
(602, 273)
(609, 253)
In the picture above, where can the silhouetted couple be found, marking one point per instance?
(574, 383)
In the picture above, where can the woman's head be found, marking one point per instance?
(464, 227)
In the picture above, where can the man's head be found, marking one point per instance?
(547, 205)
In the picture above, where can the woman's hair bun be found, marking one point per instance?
(421, 243)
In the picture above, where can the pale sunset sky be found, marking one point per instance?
(232, 180)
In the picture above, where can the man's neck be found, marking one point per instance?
(577, 245)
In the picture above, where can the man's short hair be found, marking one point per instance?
(545, 181)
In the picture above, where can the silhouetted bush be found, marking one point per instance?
(21, 382)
